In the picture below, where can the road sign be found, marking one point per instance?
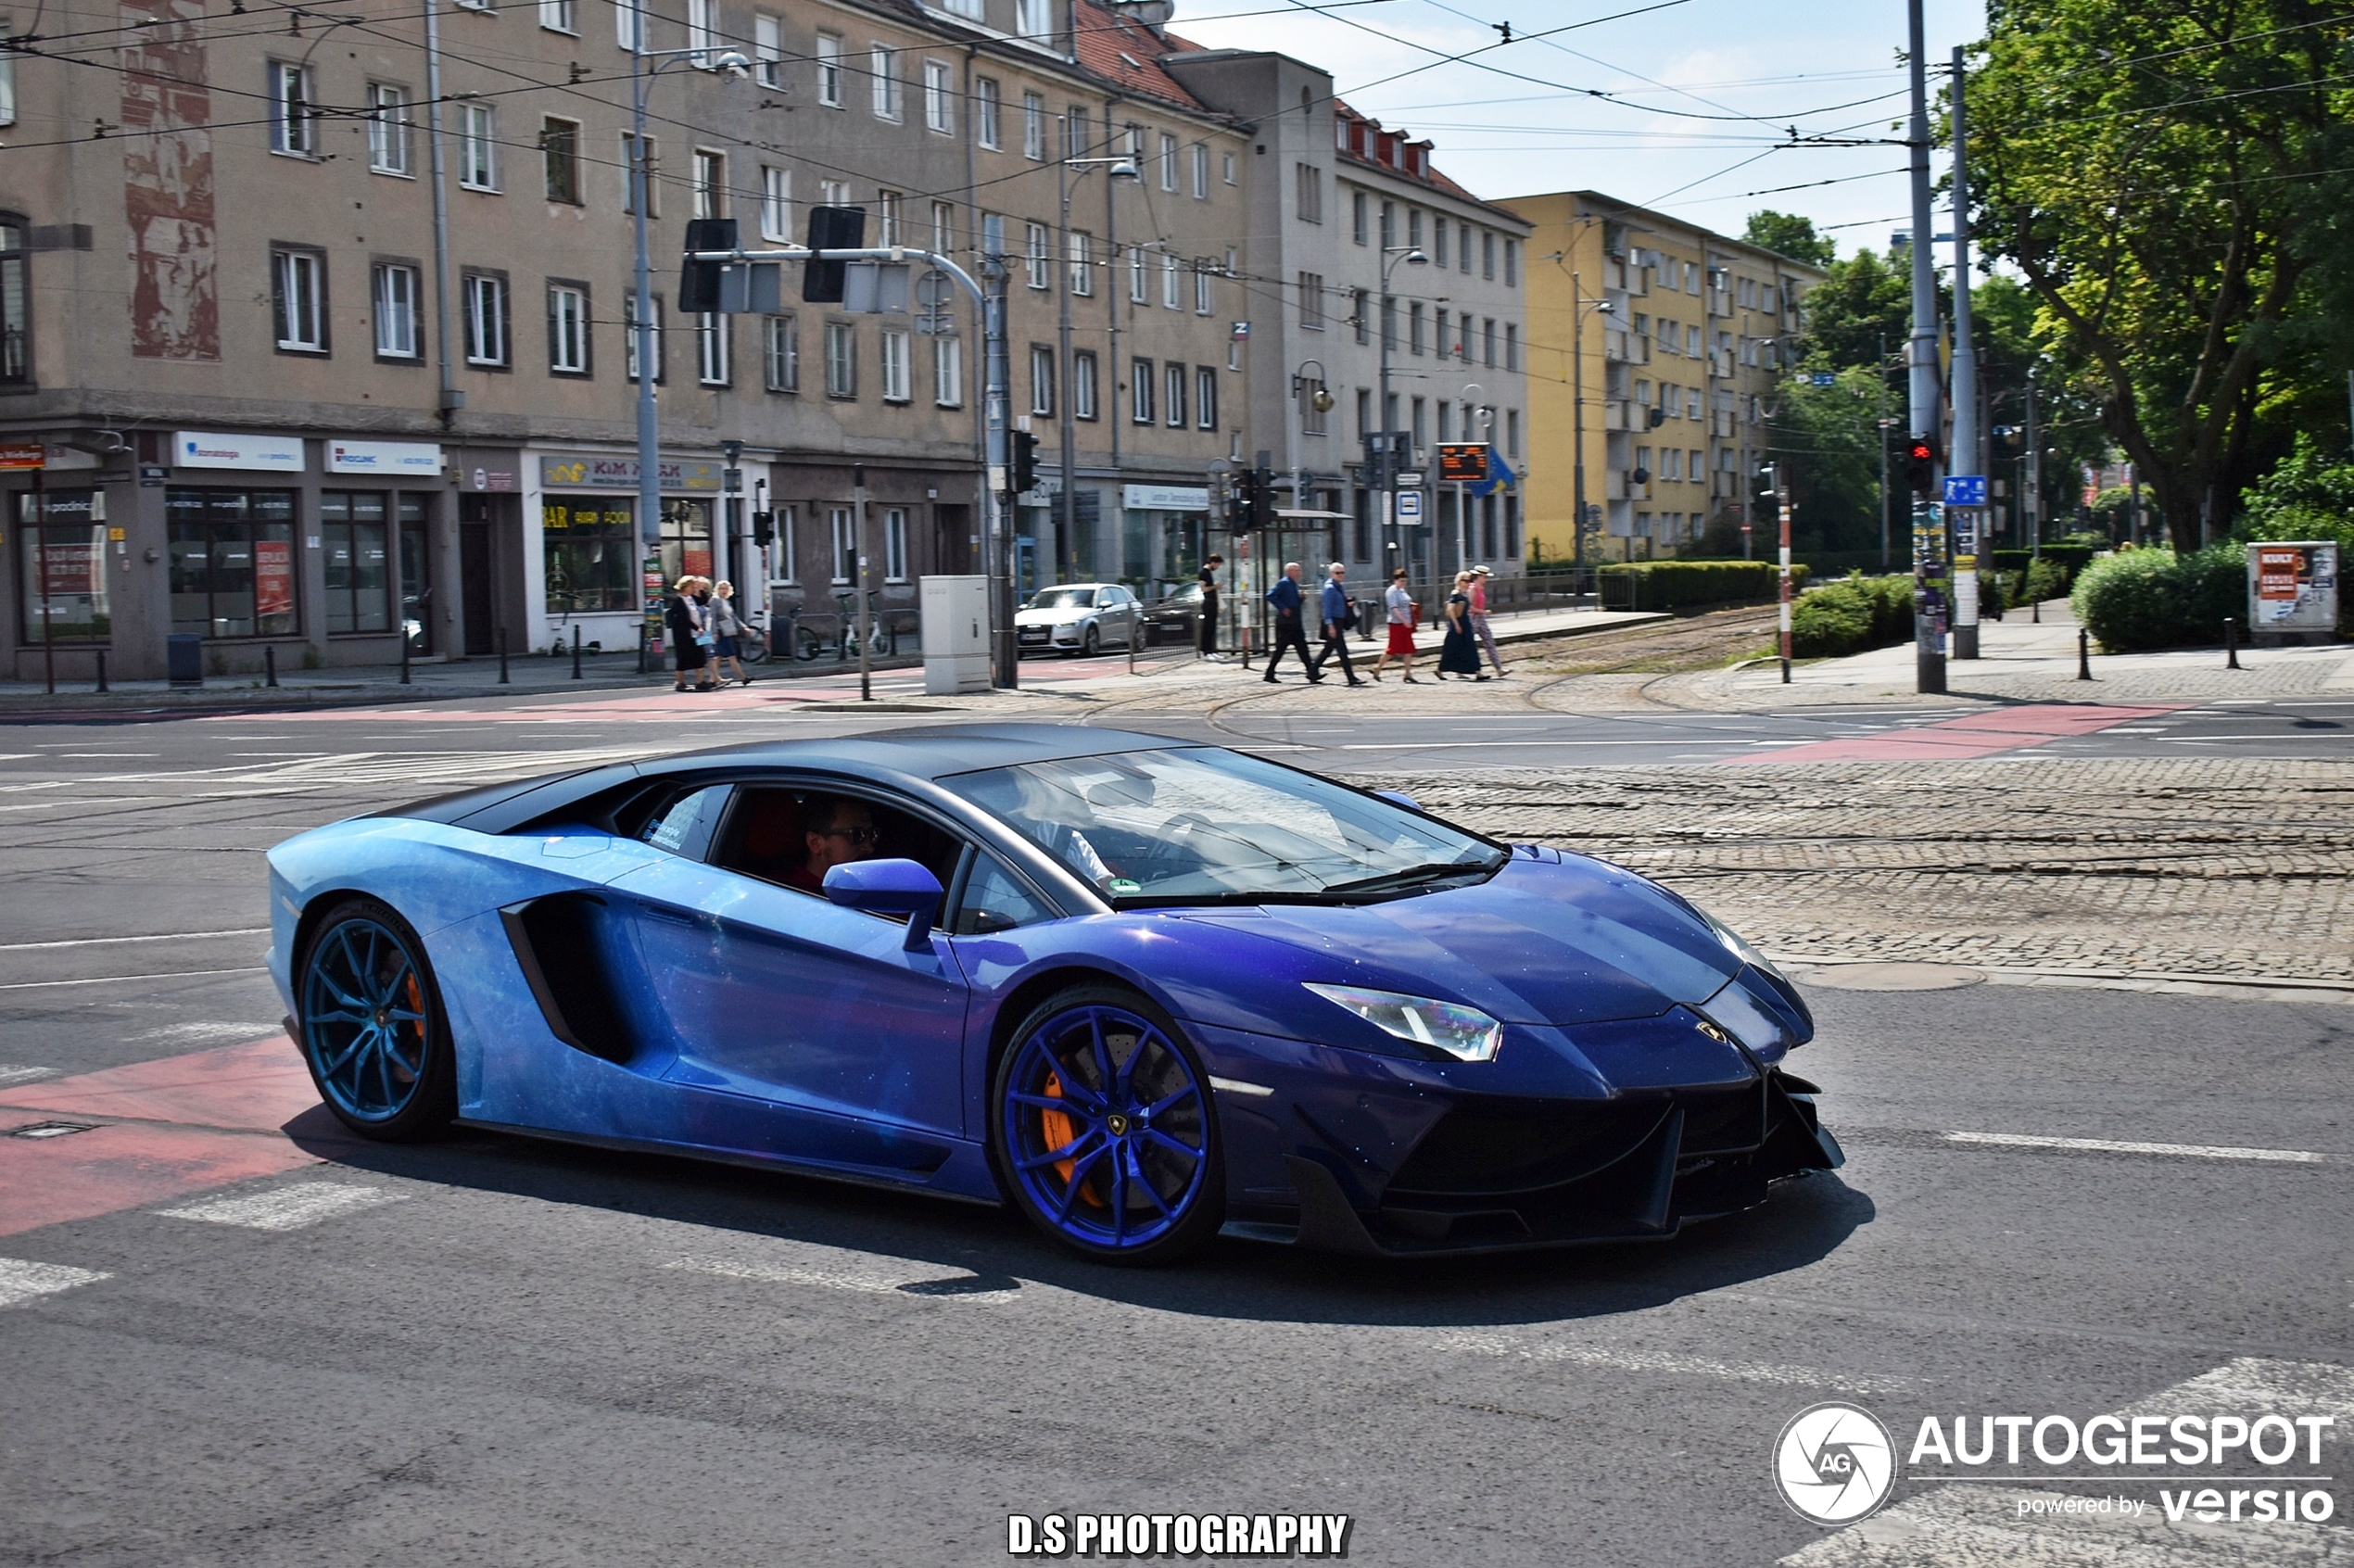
(1409, 478)
(1824, 378)
(1409, 506)
(1965, 489)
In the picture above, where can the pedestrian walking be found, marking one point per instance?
(1459, 655)
(1398, 609)
(1290, 601)
(1338, 616)
(1479, 617)
(1208, 628)
(682, 621)
(726, 628)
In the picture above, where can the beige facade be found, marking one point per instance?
(230, 324)
(1674, 336)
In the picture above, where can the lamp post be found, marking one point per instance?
(641, 81)
(1577, 313)
(1066, 503)
(1307, 391)
(1411, 255)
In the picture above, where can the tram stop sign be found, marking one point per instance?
(1965, 489)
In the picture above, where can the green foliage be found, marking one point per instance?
(2047, 578)
(1852, 614)
(1829, 437)
(1674, 585)
(2307, 497)
(2047, 574)
(2140, 599)
(1862, 310)
(1792, 236)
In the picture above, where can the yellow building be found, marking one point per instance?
(1655, 346)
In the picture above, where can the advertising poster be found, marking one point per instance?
(273, 577)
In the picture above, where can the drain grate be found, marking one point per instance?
(49, 1130)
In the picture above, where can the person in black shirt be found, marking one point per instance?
(1209, 640)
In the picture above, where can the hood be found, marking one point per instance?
(1580, 942)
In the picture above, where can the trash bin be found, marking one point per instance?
(183, 658)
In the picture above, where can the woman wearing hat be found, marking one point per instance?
(1479, 576)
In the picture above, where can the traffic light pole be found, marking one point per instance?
(1781, 495)
(1929, 606)
(1968, 523)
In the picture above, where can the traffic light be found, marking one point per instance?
(1246, 501)
(1021, 467)
(1920, 466)
(698, 281)
(2010, 440)
(831, 228)
(1263, 498)
(763, 528)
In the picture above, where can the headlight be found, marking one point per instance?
(1463, 1032)
(1736, 945)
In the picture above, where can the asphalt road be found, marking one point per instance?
(499, 1351)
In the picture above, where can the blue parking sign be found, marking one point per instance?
(1965, 489)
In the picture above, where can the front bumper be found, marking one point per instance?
(1035, 638)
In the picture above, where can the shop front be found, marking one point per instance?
(1162, 532)
(594, 562)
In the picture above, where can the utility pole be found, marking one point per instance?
(1968, 522)
(1928, 608)
(2030, 499)
(863, 608)
(1577, 418)
(1781, 497)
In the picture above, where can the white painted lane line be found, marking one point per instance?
(195, 1031)
(835, 1268)
(10, 1074)
(2253, 1384)
(21, 1280)
(2121, 1146)
(1508, 745)
(118, 979)
(1663, 1361)
(105, 942)
(288, 1207)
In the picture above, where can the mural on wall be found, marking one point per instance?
(166, 168)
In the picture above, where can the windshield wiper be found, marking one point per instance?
(1429, 871)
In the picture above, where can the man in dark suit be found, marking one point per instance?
(1288, 600)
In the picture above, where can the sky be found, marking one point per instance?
(1700, 93)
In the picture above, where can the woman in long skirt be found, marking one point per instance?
(683, 622)
(1459, 655)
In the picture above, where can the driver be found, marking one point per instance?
(837, 830)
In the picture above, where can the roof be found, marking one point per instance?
(1115, 47)
(1377, 135)
(931, 752)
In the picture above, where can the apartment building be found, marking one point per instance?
(279, 406)
(1660, 344)
(1360, 247)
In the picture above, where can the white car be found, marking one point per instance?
(1078, 618)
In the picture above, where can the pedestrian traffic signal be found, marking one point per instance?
(831, 228)
(1021, 466)
(1920, 467)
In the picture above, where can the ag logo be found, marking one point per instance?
(1834, 1463)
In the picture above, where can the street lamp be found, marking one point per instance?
(1307, 391)
(1121, 169)
(1577, 313)
(1411, 255)
(642, 79)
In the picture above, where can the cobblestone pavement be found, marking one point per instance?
(2192, 868)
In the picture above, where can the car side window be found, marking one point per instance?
(679, 828)
(996, 900)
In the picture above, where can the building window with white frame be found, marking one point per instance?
(883, 66)
(1042, 379)
(841, 359)
(842, 524)
(711, 183)
(293, 124)
(1172, 396)
(389, 151)
(767, 49)
(1033, 126)
(1170, 290)
(1035, 255)
(948, 371)
(397, 308)
(568, 329)
(830, 69)
(891, 208)
(1083, 383)
(630, 339)
(780, 353)
(944, 226)
(833, 193)
(1205, 289)
(1438, 242)
(1358, 207)
(1414, 327)
(1167, 162)
(298, 300)
(1136, 289)
(485, 297)
(702, 33)
(628, 25)
(1083, 262)
(1034, 18)
(1140, 391)
(1201, 171)
(1360, 310)
(787, 520)
(477, 147)
(711, 335)
(1312, 301)
(1205, 399)
(896, 378)
(559, 160)
(940, 112)
(989, 113)
(559, 16)
(1077, 138)
(1308, 193)
(894, 544)
(776, 203)
(1512, 346)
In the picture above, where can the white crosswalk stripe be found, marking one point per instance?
(1622, 1359)
(22, 1281)
(10, 1074)
(286, 1208)
(835, 1268)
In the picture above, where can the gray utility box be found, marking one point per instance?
(2292, 591)
(955, 620)
(183, 658)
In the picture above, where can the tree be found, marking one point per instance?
(2151, 172)
(1829, 437)
(1862, 310)
(1792, 236)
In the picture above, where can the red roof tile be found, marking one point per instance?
(1124, 52)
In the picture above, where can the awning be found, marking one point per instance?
(1309, 515)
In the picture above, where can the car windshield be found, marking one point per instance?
(1063, 598)
(1197, 825)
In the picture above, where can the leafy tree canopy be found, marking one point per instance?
(1792, 236)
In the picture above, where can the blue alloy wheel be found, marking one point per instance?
(372, 1034)
(1105, 1129)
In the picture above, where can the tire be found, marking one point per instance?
(371, 1023)
(1101, 1072)
(807, 644)
(1092, 643)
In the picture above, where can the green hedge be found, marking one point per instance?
(1851, 615)
(2060, 563)
(1672, 585)
(2156, 598)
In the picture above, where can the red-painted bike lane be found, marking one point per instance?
(1971, 735)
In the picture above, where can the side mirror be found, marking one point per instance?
(889, 887)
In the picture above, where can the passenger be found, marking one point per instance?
(837, 830)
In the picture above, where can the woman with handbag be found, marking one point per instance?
(1459, 655)
(726, 627)
(682, 621)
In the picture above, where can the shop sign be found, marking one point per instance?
(621, 473)
(402, 460)
(23, 454)
(273, 454)
(1165, 497)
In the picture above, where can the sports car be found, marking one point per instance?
(1144, 991)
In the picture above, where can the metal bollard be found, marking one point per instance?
(270, 663)
(2083, 654)
(102, 669)
(503, 677)
(404, 655)
(575, 652)
(2231, 644)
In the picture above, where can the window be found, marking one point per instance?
(944, 226)
(1169, 295)
(484, 296)
(1691, 340)
(971, 10)
(830, 69)
(1364, 417)
(1201, 171)
(1698, 468)
(1083, 262)
(1360, 310)
(995, 900)
(1415, 227)
(845, 528)
(1487, 254)
(711, 184)
(1034, 18)
(1414, 327)
(7, 85)
(1075, 134)
(700, 30)
(788, 555)
(948, 371)
(630, 339)
(1135, 147)
(1167, 162)
(1206, 398)
(780, 354)
(1140, 391)
(1511, 432)
(1308, 192)
(895, 374)
(1205, 290)
(711, 348)
(940, 113)
(1462, 251)
(988, 112)
(841, 359)
(1438, 242)
(396, 295)
(833, 193)
(628, 25)
(231, 565)
(776, 202)
(293, 128)
(560, 154)
(1357, 216)
(1136, 275)
(1312, 301)
(767, 49)
(1042, 379)
(1671, 463)
(358, 570)
(389, 129)
(1034, 253)
(557, 15)
(298, 300)
(567, 329)
(1440, 343)
(894, 544)
(1512, 346)
(1388, 224)
(588, 553)
(1487, 341)
(1389, 321)
(653, 166)
(882, 64)
(1083, 383)
(477, 147)
(1033, 126)
(1228, 174)
(890, 214)
(1174, 395)
(1511, 262)
(1416, 423)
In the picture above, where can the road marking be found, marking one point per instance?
(192, 1031)
(102, 941)
(1664, 1362)
(2118, 1146)
(23, 1074)
(288, 1207)
(21, 1280)
(835, 1268)
(117, 980)
(1508, 745)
